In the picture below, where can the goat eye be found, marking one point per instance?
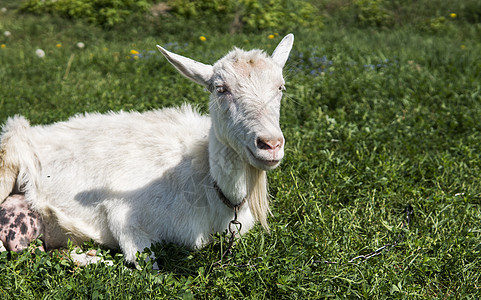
(220, 89)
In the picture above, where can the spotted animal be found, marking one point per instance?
(19, 224)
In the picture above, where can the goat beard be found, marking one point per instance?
(256, 182)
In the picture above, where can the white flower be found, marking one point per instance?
(80, 45)
(4, 9)
(7, 33)
(40, 53)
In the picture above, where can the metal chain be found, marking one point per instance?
(232, 224)
(232, 230)
(409, 211)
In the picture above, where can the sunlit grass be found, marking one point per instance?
(374, 120)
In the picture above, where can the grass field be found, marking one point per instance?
(376, 119)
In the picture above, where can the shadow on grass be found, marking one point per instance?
(181, 260)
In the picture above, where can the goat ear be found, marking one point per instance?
(281, 54)
(194, 70)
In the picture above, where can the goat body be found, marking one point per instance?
(129, 179)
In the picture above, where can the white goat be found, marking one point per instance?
(129, 179)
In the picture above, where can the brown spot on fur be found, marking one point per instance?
(19, 219)
(10, 236)
(245, 67)
(23, 228)
(4, 220)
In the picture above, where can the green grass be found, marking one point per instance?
(374, 120)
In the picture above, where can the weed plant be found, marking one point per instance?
(375, 119)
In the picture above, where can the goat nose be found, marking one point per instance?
(269, 144)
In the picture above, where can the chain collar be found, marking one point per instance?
(234, 225)
(226, 201)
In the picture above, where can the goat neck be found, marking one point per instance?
(227, 170)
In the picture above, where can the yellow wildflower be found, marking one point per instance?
(133, 52)
(452, 15)
(3, 46)
(58, 45)
(202, 38)
(136, 57)
(463, 47)
(270, 36)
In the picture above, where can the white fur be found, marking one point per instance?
(129, 179)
